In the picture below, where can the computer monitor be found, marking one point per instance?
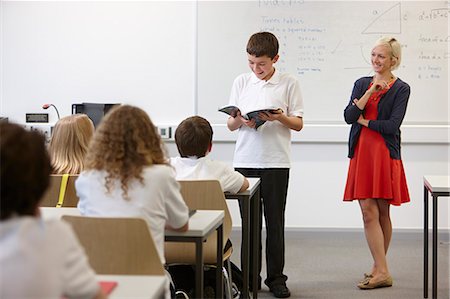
(95, 111)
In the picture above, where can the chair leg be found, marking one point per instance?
(181, 293)
(229, 270)
(228, 282)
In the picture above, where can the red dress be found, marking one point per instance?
(372, 172)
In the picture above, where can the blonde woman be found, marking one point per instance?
(376, 177)
(69, 143)
(127, 174)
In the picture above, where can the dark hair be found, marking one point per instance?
(193, 137)
(25, 170)
(263, 44)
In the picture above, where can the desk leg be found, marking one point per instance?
(199, 268)
(435, 247)
(245, 252)
(425, 243)
(219, 265)
(256, 202)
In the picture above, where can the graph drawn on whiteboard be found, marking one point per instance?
(386, 22)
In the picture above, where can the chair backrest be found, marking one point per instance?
(117, 245)
(51, 196)
(200, 195)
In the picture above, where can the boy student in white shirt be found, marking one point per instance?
(194, 142)
(265, 152)
(127, 174)
(38, 259)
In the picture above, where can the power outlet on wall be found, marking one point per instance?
(165, 132)
(45, 129)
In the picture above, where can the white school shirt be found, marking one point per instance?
(203, 168)
(270, 145)
(43, 259)
(157, 200)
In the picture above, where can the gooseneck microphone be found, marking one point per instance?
(46, 106)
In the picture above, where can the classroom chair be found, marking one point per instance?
(61, 192)
(121, 246)
(204, 195)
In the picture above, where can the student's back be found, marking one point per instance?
(194, 142)
(38, 259)
(206, 169)
(156, 199)
(42, 259)
(127, 175)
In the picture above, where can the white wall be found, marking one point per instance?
(55, 52)
(318, 178)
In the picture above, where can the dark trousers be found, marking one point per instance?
(274, 186)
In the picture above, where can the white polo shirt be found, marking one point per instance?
(206, 169)
(43, 259)
(270, 145)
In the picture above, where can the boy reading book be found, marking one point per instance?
(266, 153)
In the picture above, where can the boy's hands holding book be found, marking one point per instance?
(253, 119)
(270, 115)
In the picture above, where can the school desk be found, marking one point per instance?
(250, 202)
(202, 224)
(438, 186)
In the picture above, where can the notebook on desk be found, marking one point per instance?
(107, 286)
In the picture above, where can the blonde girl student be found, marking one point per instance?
(69, 143)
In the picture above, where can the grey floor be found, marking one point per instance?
(323, 264)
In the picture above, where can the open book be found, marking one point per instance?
(233, 110)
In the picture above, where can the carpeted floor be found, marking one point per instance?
(324, 264)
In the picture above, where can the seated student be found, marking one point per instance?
(127, 175)
(38, 259)
(194, 142)
(69, 143)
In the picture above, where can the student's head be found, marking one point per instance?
(194, 137)
(392, 50)
(69, 143)
(25, 170)
(262, 53)
(124, 143)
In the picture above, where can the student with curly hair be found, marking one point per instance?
(127, 174)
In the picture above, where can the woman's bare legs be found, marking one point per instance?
(386, 226)
(378, 231)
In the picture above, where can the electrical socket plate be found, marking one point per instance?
(165, 132)
(45, 129)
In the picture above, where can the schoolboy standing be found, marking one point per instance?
(265, 152)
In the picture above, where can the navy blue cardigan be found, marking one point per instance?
(391, 111)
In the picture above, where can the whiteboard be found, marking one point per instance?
(327, 45)
(63, 52)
